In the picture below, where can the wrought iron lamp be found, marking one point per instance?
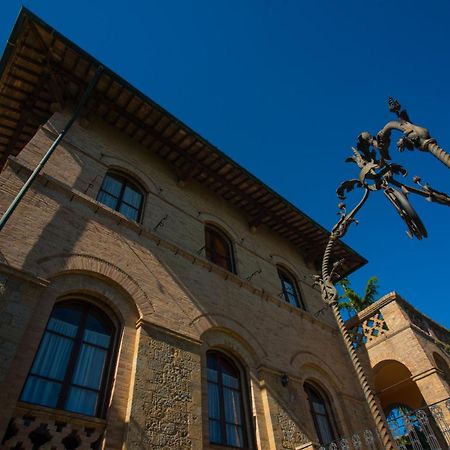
(377, 173)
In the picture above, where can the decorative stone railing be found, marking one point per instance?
(368, 328)
(34, 427)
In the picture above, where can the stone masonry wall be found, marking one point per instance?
(59, 229)
(165, 411)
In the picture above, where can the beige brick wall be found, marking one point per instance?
(59, 233)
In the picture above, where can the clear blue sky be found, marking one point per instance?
(284, 87)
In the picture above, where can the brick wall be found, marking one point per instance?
(162, 278)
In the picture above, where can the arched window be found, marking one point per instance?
(219, 249)
(320, 412)
(290, 289)
(120, 193)
(71, 368)
(226, 411)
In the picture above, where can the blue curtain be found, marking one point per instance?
(132, 197)
(51, 361)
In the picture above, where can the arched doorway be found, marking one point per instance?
(409, 419)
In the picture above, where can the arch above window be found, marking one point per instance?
(227, 405)
(219, 248)
(290, 288)
(71, 368)
(321, 414)
(122, 194)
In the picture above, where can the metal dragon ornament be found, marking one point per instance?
(378, 173)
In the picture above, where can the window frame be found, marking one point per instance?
(86, 306)
(125, 180)
(219, 233)
(286, 275)
(312, 389)
(245, 406)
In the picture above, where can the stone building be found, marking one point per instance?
(154, 294)
(408, 355)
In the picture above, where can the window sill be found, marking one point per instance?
(226, 447)
(59, 415)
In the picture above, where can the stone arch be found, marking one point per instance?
(230, 326)
(122, 165)
(53, 265)
(394, 385)
(96, 289)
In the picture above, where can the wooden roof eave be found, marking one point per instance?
(138, 116)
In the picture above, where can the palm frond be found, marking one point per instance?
(371, 290)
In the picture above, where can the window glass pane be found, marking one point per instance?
(129, 211)
(89, 367)
(81, 401)
(213, 401)
(65, 320)
(53, 356)
(319, 408)
(215, 432)
(213, 375)
(292, 299)
(41, 392)
(324, 429)
(211, 361)
(218, 249)
(230, 380)
(107, 199)
(234, 436)
(96, 332)
(232, 406)
(132, 197)
(112, 186)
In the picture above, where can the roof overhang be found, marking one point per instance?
(42, 71)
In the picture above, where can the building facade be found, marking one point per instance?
(154, 294)
(408, 355)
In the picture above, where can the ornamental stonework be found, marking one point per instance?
(291, 434)
(162, 413)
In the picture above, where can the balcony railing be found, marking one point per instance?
(363, 440)
(33, 427)
(427, 428)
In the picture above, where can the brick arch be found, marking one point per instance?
(229, 342)
(230, 326)
(78, 262)
(302, 360)
(217, 221)
(121, 165)
(394, 383)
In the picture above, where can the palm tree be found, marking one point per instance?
(353, 302)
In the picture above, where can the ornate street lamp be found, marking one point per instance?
(377, 173)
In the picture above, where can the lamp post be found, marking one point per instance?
(377, 173)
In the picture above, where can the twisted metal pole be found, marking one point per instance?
(330, 296)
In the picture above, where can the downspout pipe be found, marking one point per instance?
(50, 151)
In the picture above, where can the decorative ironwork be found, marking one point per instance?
(363, 440)
(424, 429)
(378, 173)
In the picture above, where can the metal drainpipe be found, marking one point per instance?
(50, 151)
